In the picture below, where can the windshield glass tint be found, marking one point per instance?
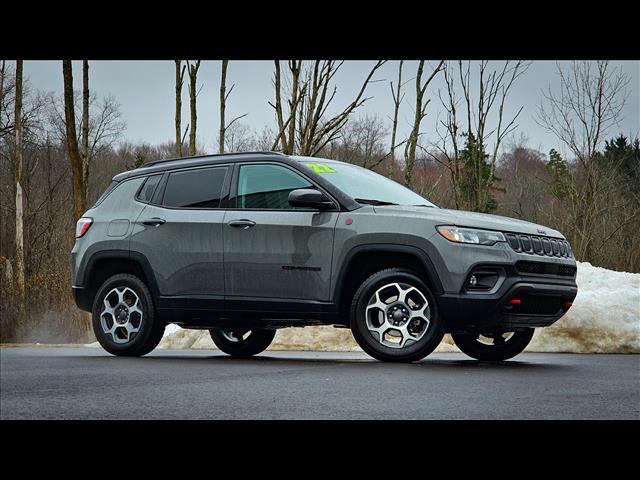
(358, 182)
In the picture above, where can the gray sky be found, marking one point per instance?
(145, 91)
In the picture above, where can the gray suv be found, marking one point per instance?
(243, 244)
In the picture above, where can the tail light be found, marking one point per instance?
(82, 226)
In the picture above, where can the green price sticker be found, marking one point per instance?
(321, 168)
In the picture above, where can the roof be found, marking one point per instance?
(185, 162)
(225, 158)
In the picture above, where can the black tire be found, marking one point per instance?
(150, 327)
(472, 347)
(371, 342)
(256, 341)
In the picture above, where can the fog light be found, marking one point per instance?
(482, 279)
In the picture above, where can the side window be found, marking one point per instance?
(267, 187)
(146, 192)
(201, 188)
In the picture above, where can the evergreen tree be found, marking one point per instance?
(477, 181)
(562, 186)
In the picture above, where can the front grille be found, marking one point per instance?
(541, 268)
(539, 245)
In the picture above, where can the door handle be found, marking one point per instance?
(154, 221)
(243, 224)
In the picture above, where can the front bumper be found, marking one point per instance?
(543, 303)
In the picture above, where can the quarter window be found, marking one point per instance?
(201, 188)
(149, 186)
(267, 187)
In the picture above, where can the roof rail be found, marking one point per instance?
(208, 155)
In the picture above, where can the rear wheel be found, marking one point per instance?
(242, 342)
(493, 346)
(123, 317)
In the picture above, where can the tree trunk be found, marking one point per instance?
(193, 77)
(19, 260)
(410, 156)
(223, 91)
(396, 107)
(295, 73)
(278, 108)
(79, 205)
(2, 69)
(85, 129)
(178, 118)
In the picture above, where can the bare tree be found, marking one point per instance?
(3, 70)
(240, 137)
(420, 113)
(85, 127)
(224, 96)
(193, 79)
(18, 164)
(306, 128)
(79, 205)
(100, 126)
(397, 96)
(362, 142)
(7, 94)
(178, 117)
(476, 122)
(588, 104)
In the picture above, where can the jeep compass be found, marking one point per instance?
(243, 244)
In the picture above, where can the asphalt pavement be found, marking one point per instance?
(88, 383)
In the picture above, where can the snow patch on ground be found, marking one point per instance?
(604, 318)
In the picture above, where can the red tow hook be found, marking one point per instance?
(515, 301)
(567, 304)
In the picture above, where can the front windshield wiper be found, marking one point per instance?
(423, 205)
(370, 201)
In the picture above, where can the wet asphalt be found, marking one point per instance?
(88, 383)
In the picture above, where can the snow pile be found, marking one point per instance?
(604, 318)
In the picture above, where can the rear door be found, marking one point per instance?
(180, 232)
(272, 250)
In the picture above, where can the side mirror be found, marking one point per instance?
(309, 198)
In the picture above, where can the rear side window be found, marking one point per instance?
(201, 188)
(267, 187)
(148, 188)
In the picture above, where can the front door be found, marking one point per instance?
(272, 250)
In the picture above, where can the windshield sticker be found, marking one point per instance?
(321, 168)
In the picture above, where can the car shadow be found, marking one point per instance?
(271, 358)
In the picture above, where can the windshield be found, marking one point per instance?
(365, 186)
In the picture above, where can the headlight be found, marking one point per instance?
(470, 235)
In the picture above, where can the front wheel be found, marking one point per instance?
(493, 346)
(242, 342)
(394, 317)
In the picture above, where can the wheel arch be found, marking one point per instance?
(364, 260)
(103, 264)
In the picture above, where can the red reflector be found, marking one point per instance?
(349, 221)
(515, 301)
(567, 304)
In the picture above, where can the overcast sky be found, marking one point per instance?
(145, 91)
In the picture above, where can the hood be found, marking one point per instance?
(461, 218)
